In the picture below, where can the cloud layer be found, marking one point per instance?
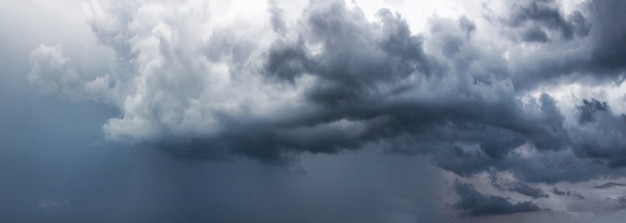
(202, 80)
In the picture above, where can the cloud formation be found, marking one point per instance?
(473, 203)
(201, 81)
(538, 18)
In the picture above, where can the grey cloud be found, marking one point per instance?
(278, 23)
(546, 14)
(461, 162)
(599, 53)
(337, 81)
(356, 54)
(549, 166)
(111, 31)
(558, 192)
(334, 81)
(358, 125)
(289, 60)
(603, 134)
(535, 34)
(618, 203)
(544, 167)
(467, 25)
(472, 203)
(588, 109)
(608, 36)
(581, 26)
(610, 185)
(528, 191)
(557, 166)
(343, 98)
(519, 187)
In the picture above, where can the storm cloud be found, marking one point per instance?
(474, 94)
(473, 203)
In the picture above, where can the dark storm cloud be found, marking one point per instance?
(548, 166)
(600, 49)
(535, 34)
(518, 187)
(604, 134)
(364, 70)
(335, 80)
(609, 47)
(352, 74)
(289, 60)
(472, 203)
(558, 192)
(610, 185)
(434, 127)
(356, 56)
(617, 203)
(527, 190)
(547, 15)
(332, 81)
(588, 109)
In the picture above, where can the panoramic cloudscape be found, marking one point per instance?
(313, 111)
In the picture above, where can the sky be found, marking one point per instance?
(312, 111)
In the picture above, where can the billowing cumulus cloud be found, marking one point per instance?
(201, 80)
(53, 73)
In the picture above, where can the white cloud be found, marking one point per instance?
(182, 63)
(53, 73)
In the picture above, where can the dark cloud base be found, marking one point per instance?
(472, 203)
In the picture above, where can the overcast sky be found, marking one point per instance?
(312, 111)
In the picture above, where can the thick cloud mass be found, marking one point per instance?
(544, 16)
(202, 82)
(518, 187)
(473, 203)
